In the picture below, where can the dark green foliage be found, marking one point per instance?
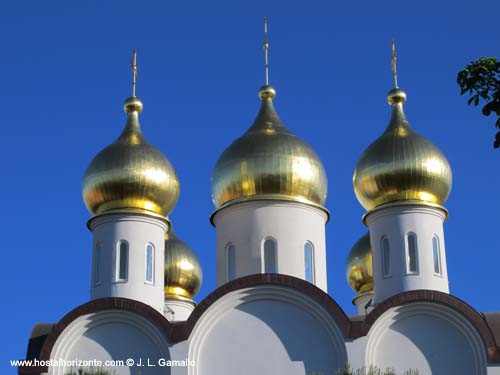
(481, 81)
(90, 371)
(372, 370)
(411, 372)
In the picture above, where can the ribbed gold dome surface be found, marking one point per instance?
(268, 162)
(183, 274)
(359, 266)
(131, 174)
(401, 165)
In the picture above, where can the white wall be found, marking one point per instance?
(494, 369)
(266, 330)
(364, 303)
(356, 352)
(271, 329)
(178, 310)
(248, 224)
(137, 230)
(112, 335)
(395, 223)
(426, 336)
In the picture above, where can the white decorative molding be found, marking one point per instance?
(231, 301)
(406, 312)
(66, 342)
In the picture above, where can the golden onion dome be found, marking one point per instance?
(183, 274)
(401, 165)
(268, 162)
(359, 267)
(131, 174)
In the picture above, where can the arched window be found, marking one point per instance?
(231, 262)
(411, 253)
(309, 262)
(122, 261)
(386, 257)
(437, 256)
(150, 256)
(269, 256)
(97, 265)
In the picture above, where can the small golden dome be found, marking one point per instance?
(401, 165)
(130, 174)
(183, 274)
(359, 267)
(268, 162)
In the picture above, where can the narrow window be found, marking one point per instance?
(269, 256)
(122, 261)
(309, 262)
(386, 257)
(231, 262)
(150, 251)
(97, 265)
(437, 256)
(412, 256)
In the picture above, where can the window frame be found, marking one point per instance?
(312, 265)
(435, 240)
(230, 247)
(407, 254)
(97, 265)
(152, 281)
(263, 255)
(385, 258)
(118, 257)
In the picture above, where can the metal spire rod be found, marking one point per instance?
(266, 51)
(393, 63)
(134, 71)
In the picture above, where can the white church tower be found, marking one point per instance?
(403, 180)
(269, 189)
(130, 188)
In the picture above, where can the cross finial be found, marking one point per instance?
(266, 51)
(134, 71)
(393, 63)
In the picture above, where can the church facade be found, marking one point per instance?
(271, 312)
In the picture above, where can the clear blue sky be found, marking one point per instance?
(65, 73)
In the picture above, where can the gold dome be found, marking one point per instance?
(401, 165)
(359, 267)
(183, 274)
(130, 174)
(268, 162)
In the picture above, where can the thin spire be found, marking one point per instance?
(133, 104)
(266, 51)
(266, 91)
(396, 95)
(134, 71)
(393, 63)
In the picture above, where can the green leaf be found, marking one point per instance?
(484, 94)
